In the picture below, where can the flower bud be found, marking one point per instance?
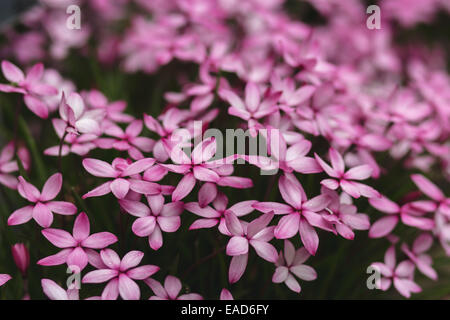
(21, 257)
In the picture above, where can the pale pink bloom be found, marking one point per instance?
(120, 274)
(129, 139)
(29, 85)
(211, 216)
(4, 278)
(21, 257)
(167, 130)
(257, 105)
(290, 264)
(344, 179)
(54, 292)
(78, 119)
(53, 77)
(121, 171)
(76, 246)
(79, 144)
(226, 295)
(170, 291)
(418, 256)
(199, 167)
(8, 164)
(301, 214)
(401, 275)
(410, 214)
(294, 158)
(154, 219)
(43, 205)
(113, 110)
(344, 216)
(256, 234)
(440, 201)
(291, 97)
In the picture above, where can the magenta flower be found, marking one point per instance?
(79, 144)
(170, 291)
(120, 274)
(256, 234)
(301, 214)
(167, 130)
(410, 214)
(78, 119)
(119, 170)
(344, 216)
(254, 108)
(54, 292)
(9, 165)
(441, 202)
(43, 205)
(4, 278)
(211, 216)
(155, 219)
(418, 256)
(226, 295)
(76, 244)
(344, 178)
(30, 86)
(290, 264)
(129, 139)
(112, 110)
(197, 167)
(21, 257)
(401, 275)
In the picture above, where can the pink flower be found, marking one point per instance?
(43, 207)
(401, 276)
(418, 256)
(112, 110)
(54, 292)
(344, 216)
(129, 139)
(226, 295)
(78, 119)
(4, 278)
(256, 234)
(9, 165)
(291, 264)
(79, 144)
(301, 213)
(410, 214)
(120, 274)
(167, 130)
(254, 108)
(154, 219)
(211, 216)
(119, 170)
(30, 86)
(76, 246)
(344, 178)
(441, 202)
(170, 291)
(197, 167)
(21, 257)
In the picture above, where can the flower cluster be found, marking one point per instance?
(347, 120)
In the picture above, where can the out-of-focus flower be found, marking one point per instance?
(21, 257)
(401, 275)
(4, 278)
(9, 165)
(30, 86)
(170, 291)
(291, 263)
(418, 256)
(226, 295)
